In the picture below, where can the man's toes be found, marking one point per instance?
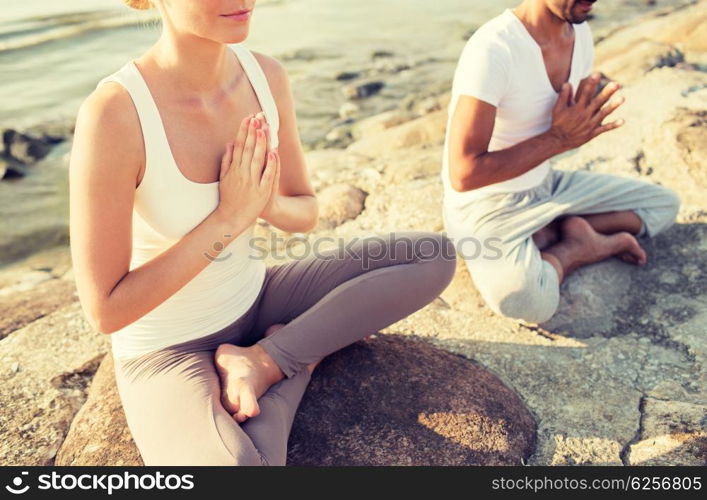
(643, 256)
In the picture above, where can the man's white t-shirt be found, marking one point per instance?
(503, 65)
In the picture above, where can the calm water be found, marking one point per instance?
(52, 54)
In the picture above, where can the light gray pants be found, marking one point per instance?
(493, 234)
(329, 300)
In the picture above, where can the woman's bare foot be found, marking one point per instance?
(246, 374)
(273, 328)
(581, 245)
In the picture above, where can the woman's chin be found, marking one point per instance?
(236, 35)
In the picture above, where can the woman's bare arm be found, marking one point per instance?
(106, 156)
(295, 209)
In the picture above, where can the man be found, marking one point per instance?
(513, 107)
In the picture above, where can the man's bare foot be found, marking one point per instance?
(273, 328)
(246, 374)
(581, 245)
(547, 236)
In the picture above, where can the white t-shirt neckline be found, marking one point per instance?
(536, 45)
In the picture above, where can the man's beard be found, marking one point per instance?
(575, 15)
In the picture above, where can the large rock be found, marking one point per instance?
(20, 308)
(376, 124)
(25, 147)
(35, 287)
(590, 299)
(45, 368)
(659, 40)
(645, 55)
(428, 129)
(396, 401)
(338, 203)
(672, 433)
(389, 400)
(99, 433)
(682, 141)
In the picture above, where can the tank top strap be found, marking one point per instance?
(262, 89)
(156, 145)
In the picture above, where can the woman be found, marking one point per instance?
(175, 156)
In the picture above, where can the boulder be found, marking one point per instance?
(99, 433)
(339, 203)
(373, 125)
(397, 401)
(673, 433)
(21, 307)
(363, 89)
(658, 40)
(45, 369)
(428, 129)
(643, 56)
(26, 148)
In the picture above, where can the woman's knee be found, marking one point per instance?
(440, 253)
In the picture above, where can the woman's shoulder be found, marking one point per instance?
(111, 105)
(271, 66)
(108, 113)
(275, 73)
(110, 97)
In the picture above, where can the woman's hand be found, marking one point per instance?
(271, 207)
(247, 173)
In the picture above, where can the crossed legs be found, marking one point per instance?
(323, 303)
(543, 234)
(576, 241)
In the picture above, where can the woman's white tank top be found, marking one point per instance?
(167, 206)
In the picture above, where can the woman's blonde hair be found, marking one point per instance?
(139, 4)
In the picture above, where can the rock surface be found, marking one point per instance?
(46, 367)
(395, 401)
(109, 443)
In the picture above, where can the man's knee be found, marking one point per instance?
(525, 297)
(660, 218)
(672, 204)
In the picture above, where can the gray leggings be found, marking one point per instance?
(329, 300)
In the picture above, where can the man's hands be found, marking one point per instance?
(577, 121)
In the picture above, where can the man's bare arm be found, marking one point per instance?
(575, 122)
